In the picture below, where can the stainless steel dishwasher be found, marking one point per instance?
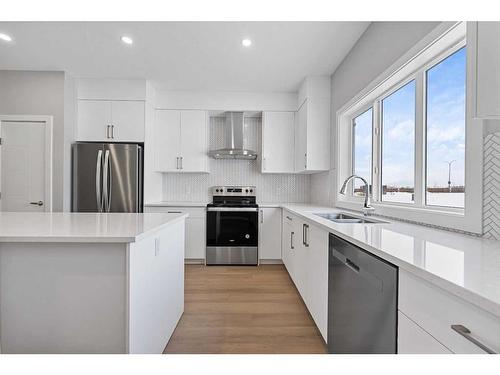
(362, 301)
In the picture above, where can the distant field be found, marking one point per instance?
(434, 199)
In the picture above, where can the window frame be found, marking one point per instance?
(413, 66)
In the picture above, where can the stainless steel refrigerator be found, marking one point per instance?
(107, 177)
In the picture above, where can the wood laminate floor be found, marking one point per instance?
(243, 310)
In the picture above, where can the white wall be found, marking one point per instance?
(39, 93)
(377, 49)
(226, 100)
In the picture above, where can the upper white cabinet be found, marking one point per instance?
(269, 233)
(312, 126)
(483, 44)
(181, 141)
(278, 142)
(110, 121)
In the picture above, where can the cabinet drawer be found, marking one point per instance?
(194, 212)
(412, 339)
(436, 310)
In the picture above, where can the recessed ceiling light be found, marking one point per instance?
(127, 40)
(5, 37)
(246, 42)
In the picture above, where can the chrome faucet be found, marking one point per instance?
(367, 208)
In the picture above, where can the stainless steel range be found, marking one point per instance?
(233, 226)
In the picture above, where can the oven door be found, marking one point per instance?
(232, 235)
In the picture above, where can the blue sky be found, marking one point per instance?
(445, 128)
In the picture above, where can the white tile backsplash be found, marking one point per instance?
(271, 188)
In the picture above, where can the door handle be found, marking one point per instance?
(465, 332)
(107, 182)
(98, 192)
(39, 203)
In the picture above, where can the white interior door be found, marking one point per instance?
(23, 166)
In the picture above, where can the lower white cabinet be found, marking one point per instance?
(412, 339)
(195, 229)
(305, 255)
(436, 311)
(270, 233)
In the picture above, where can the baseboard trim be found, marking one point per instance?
(270, 261)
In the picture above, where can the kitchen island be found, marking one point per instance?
(90, 283)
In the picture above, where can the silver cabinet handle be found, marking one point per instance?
(112, 132)
(107, 132)
(174, 212)
(261, 216)
(307, 235)
(465, 332)
(107, 182)
(305, 161)
(264, 163)
(289, 218)
(39, 203)
(292, 234)
(177, 163)
(181, 162)
(98, 192)
(305, 229)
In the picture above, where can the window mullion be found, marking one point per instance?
(376, 152)
(420, 139)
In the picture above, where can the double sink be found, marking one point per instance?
(349, 219)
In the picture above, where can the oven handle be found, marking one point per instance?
(234, 209)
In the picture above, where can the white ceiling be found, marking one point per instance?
(184, 55)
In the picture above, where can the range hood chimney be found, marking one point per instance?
(234, 124)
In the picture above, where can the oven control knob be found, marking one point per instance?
(246, 191)
(216, 190)
(247, 236)
(251, 190)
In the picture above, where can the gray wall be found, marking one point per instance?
(39, 93)
(376, 50)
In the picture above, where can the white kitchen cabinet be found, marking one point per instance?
(195, 229)
(181, 141)
(484, 47)
(278, 142)
(317, 277)
(270, 233)
(312, 126)
(288, 243)
(436, 311)
(305, 255)
(412, 339)
(110, 121)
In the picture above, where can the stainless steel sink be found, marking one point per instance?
(349, 219)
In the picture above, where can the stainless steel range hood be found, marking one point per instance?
(234, 125)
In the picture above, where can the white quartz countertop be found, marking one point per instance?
(466, 266)
(81, 227)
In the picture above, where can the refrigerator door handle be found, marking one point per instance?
(98, 192)
(106, 182)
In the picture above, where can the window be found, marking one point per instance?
(362, 127)
(445, 140)
(398, 145)
(406, 134)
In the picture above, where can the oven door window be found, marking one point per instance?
(229, 228)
